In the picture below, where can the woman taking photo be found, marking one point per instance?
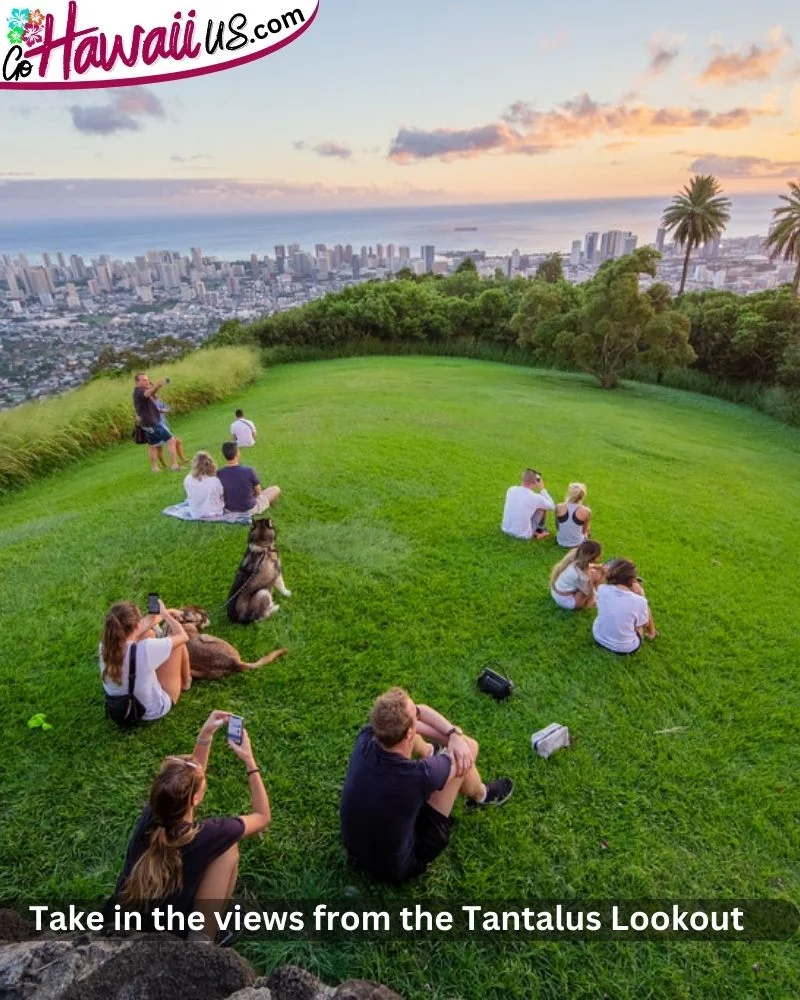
(572, 517)
(573, 580)
(174, 860)
(623, 613)
(203, 490)
(162, 665)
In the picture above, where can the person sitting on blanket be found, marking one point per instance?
(242, 487)
(203, 490)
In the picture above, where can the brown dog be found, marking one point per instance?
(211, 658)
(259, 573)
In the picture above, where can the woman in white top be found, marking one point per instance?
(162, 665)
(623, 613)
(203, 490)
(573, 517)
(573, 580)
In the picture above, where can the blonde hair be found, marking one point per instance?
(390, 717)
(158, 872)
(121, 620)
(203, 465)
(581, 557)
(576, 493)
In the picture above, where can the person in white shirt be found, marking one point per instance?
(203, 490)
(574, 578)
(162, 665)
(526, 508)
(243, 431)
(623, 613)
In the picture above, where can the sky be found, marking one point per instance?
(431, 102)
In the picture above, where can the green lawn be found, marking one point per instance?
(394, 472)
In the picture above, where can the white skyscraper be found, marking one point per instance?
(575, 255)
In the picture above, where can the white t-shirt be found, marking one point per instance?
(521, 505)
(245, 432)
(205, 496)
(150, 654)
(619, 613)
(571, 580)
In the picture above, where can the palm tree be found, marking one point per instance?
(784, 236)
(697, 215)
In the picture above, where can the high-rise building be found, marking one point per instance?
(661, 236)
(590, 247)
(338, 256)
(711, 249)
(323, 265)
(319, 249)
(39, 281)
(347, 257)
(13, 286)
(77, 267)
(355, 262)
(364, 257)
(280, 259)
(390, 256)
(428, 254)
(515, 260)
(379, 254)
(630, 243)
(575, 255)
(405, 255)
(255, 267)
(46, 260)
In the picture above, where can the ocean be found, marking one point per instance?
(531, 227)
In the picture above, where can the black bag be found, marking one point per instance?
(496, 684)
(126, 709)
(138, 434)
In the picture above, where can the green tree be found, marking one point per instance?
(697, 215)
(784, 236)
(620, 325)
(551, 269)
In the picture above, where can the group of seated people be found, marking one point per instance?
(232, 489)
(579, 580)
(408, 768)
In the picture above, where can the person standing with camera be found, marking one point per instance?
(175, 860)
(148, 417)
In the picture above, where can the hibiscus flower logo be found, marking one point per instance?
(36, 18)
(20, 16)
(15, 36)
(32, 35)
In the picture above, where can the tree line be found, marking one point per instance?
(611, 326)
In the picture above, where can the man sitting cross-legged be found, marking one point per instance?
(395, 809)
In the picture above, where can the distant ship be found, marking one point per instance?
(465, 229)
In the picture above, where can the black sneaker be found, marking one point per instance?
(497, 794)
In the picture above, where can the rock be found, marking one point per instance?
(360, 989)
(290, 983)
(252, 993)
(14, 928)
(147, 967)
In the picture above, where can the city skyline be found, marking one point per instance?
(429, 105)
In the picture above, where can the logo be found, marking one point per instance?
(93, 43)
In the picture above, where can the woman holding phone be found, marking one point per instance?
(174, 859)
(162, 665)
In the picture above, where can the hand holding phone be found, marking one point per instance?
(153, 604)
(236, 729)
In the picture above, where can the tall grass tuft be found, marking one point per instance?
(41, 436)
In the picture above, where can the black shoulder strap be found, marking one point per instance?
(132, 670)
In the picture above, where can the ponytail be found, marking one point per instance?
(559, 567)
(120, 622)
(158, 872)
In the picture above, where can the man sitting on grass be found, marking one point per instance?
(241, 486)
(395, 809)
(526, 508)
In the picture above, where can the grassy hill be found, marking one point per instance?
(393, 473)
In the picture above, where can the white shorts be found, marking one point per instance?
(567, 603)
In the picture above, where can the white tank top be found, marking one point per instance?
(570, 532)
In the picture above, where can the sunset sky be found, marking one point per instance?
(431, 101)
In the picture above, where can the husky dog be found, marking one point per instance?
(211, 658)
(259, 573)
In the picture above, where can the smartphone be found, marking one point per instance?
(153, 604)
(235, 729)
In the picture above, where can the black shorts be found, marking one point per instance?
(432, 835)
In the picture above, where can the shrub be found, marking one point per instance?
(40, 436)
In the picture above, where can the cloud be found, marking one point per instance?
(663, 54)
(743, 167)
(328, 149)
(190, 159)
(121, 114)
(554, 42)
(524, 130)
(753, 62)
